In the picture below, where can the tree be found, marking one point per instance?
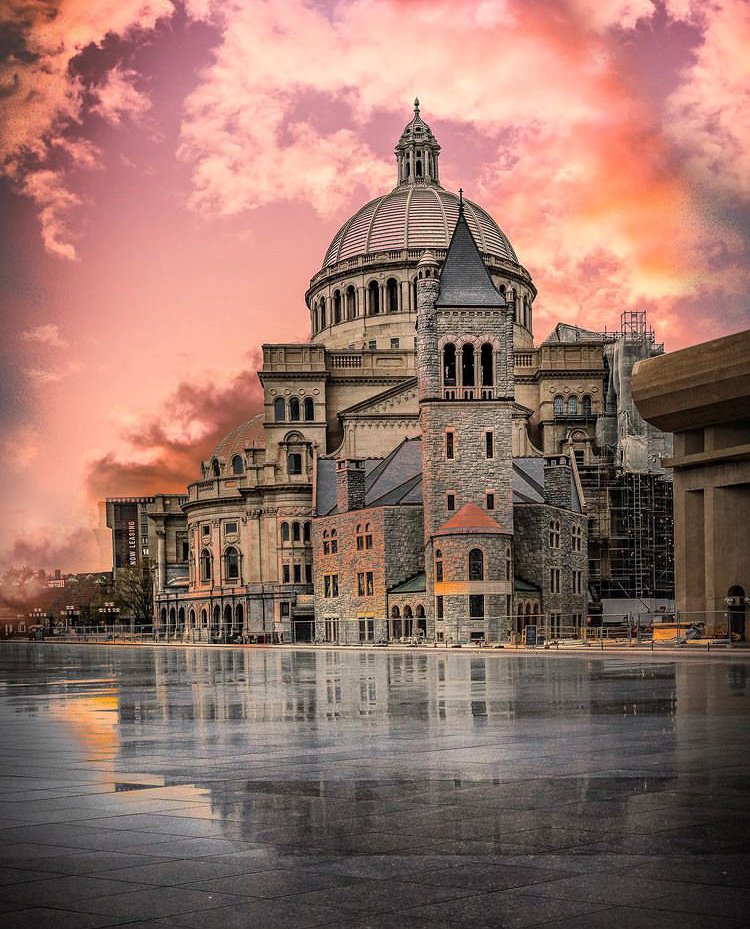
(134, 591)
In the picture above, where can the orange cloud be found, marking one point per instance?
(163, 452)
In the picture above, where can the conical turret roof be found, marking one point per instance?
(464, 280)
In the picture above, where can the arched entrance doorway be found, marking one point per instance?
(737, 613)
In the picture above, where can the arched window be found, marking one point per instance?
(279, 410)
(295, 532)
(215, 469)
(322, 315)
(438, 565)
(572, 405)
(294, 410)
(586, 404)
(414, 294)
(309, 409)
(486, 362)
(476, 565)
(407, 612)
(337, 306)
(237, 465)
(326, 543)
(373, 298)
(217, 617)
(559, 405)
(368, 536)
(419, 167)
(285, 532)
(191, 618)
(449, 365)
(351, 302)
(391, 291)
(359, 536)
(205, 562)
(232, 563)
(227, 616)
(395, 613)
(306, 529)
(239, 615)
(554, 533)
(420, 611)
(334, 542)
(467, 365)
(508, 565)
(204, 618)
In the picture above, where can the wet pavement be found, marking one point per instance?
(263, 788)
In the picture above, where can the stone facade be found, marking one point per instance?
(373, 550)
(363, 384)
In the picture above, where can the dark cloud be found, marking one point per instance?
(174, 462)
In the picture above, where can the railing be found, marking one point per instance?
(523, 359)
(346, 361)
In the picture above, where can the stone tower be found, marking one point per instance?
(465, 374)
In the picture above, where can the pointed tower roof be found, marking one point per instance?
(464, 280)
(470, 518)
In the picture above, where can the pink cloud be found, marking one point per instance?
(43, 98)
(117, 97)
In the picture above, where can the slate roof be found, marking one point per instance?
(464, 280)
(527, 482)
(397, 479)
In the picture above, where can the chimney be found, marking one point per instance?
(350, 484)
(558, 481)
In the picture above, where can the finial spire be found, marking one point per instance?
(460, 201)
(416, 105)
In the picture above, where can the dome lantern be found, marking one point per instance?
(417, 153)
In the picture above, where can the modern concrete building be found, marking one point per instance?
(702, 395)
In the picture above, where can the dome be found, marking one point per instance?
(249, 434)
(415, 216)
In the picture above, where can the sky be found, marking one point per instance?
(171, 174)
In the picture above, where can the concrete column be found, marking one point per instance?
(161, 557)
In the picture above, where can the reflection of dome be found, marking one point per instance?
(247, 435)
(415, 216)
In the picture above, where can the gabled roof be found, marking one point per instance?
(384, 400)
(464, 280)
(388, 481)
(470, 518)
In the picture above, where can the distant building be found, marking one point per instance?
(702, 395)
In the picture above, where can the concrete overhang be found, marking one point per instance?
(697, 386)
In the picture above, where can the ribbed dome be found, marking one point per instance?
(249, 434)
(415, 216)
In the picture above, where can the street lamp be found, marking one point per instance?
(70, 613)
(109, 609)
(38, 618)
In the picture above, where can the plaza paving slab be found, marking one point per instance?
(367, 789)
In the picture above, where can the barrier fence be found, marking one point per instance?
(542, 630)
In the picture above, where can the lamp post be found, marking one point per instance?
(109, 610)
(70, 614)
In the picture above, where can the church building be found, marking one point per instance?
(415, 467)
